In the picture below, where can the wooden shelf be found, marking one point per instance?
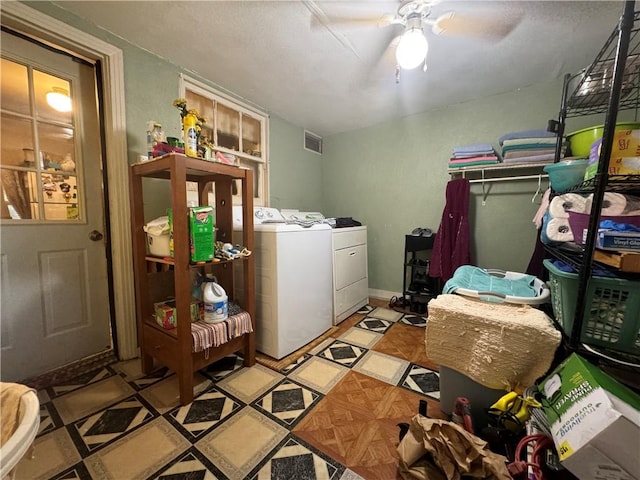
(156, 277)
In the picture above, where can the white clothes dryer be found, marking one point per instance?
(294, 299)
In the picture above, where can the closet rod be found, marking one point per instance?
(504, 179)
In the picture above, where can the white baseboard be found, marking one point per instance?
(383, 294)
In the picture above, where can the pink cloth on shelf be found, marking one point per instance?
(207, 335)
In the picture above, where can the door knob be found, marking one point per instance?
(95, 236)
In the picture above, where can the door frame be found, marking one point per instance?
(31, 22)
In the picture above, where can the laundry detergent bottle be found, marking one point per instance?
(215, 301)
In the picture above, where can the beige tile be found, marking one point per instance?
(238, 445)
(53, 453)
(247, 384)
(139, 454)
(361, 337)
(383, 367)
(319, 374)
(132, 369)
(95, 396)
(321, 346)
(165, 395)
(385, 314)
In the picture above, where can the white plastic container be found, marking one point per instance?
(216, 305)
(158, 237)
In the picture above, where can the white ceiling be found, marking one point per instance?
(329, 80)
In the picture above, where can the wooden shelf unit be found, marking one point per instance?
(155, 278)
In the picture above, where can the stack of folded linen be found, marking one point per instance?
(529, 146)
(472, 155)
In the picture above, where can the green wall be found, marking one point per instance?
(392, 177)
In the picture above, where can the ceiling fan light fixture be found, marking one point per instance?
(412, 49)
(58, 99)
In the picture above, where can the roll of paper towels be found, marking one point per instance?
(558, 230)
(562, 204)
(612, 204)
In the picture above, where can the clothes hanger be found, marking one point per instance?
(535, 195)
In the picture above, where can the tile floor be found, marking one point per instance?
(330, 415)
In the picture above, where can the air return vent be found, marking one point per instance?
(312, 142)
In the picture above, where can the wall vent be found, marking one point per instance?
(312, 142)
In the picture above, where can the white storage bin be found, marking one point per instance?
(158, 237)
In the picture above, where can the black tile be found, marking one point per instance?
(285, 401)
(205, 410)
(113, 421)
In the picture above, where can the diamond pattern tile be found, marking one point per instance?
(223, 367)
(80, 381)
(205, 412)
(422, 380)
(342, 353)
(375, 324)
(287, 402)
(191, 466)
(153, 377)
(415, 320)
(112, 423)
(295, 460)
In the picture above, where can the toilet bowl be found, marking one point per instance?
(16, 447)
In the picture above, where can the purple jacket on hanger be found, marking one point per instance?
(451, 247)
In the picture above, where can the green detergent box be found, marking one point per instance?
(201, 233)
(595, 421)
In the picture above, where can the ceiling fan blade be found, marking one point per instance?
(352, 22)
(489, 28)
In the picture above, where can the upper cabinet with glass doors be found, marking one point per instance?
(234, 129)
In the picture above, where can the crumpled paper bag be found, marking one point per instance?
(436, 449)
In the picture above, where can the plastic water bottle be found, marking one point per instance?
(215, 301)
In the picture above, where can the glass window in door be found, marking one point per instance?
(37, 165)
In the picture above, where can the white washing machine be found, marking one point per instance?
(294, 292)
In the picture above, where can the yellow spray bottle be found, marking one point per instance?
(190, 133)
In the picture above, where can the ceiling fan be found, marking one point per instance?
(414, 16)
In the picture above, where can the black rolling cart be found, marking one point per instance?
(417, 286)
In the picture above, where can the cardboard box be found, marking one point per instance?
(167, 317)
(595, 421)
(611, 240)
(625, 153)
(201, 234)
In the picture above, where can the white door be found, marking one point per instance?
(54, 301)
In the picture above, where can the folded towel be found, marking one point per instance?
(480, 158)
(478, 147)
(524, 141)
(529, 146)
(473, 154)
(527, 153)
(540, 133)
(532, 159)
(472, 164)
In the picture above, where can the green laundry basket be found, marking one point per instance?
(612, 309)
